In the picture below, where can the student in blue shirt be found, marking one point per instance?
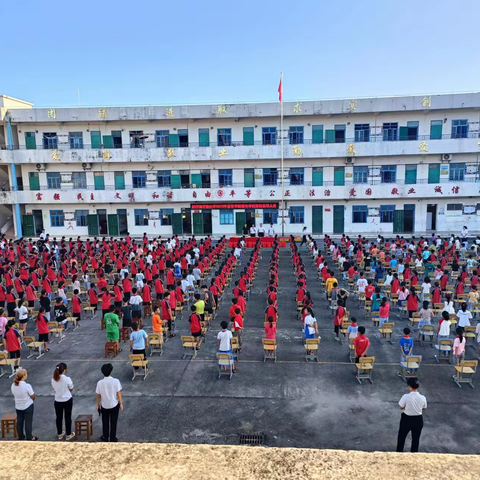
(406, 345)
(393, 263)
(138, 341)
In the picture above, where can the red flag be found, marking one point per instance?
(280, 89)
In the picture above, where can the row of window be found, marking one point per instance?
(390, 131)
(361, 174)
(360, 212)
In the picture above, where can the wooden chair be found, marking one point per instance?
(147, 311)
(124, 334)
(465, 371)
(364, 369)
(34, 347)
(84, 424)
(415, 320)
(375, 319)
(72, 319)
(469, 333)
(235, 348)
(137, 361)
(90, 309)
(111, 348)
(343, 330)
(387, 330)
(427, 334)
(225, 365)
(311, 349)
(351, 350)
(9, 423)
(445, 350)
(410, 367)
(269, 349)
(56, 331)
(476, 309)
(5, 364)
(155, 341)
(437, 308)
(453, 322)
(190, 347)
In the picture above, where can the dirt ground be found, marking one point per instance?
(124, 461)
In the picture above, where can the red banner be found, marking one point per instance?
(204, 206)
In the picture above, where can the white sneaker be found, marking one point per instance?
(60, 437)
(69, 437)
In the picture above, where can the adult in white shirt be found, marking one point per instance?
(63, 387)
(237, 252)
(43, 236)
(136, 301)
(253, 231)
(109, 403)
(464, 316)
(271, 231)
(124, 273)
(413, 404)
(261, 230)
(464, 232)
(24, 398)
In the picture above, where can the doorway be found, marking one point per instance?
(202, 222)
(117, 138)
(37, 221)
(250, 217)
(187, 220)
(338, 219)
(409, 218)
(207, 222)
(102, 222)
(184, 179)
(122, 221)
(431, 216)
(317, 219)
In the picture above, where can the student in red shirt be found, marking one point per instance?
(237, 321)
(127, 289)
(241, 302)
(167, 312)
(31, 297)
(233, 307)
(106, 301)
(170, 278)
(93, 297)
(42, 327)
(338, 322)
(271, 311)
(361, 343)
(369, 290)
(11, 342)
(76, 306)
(195, 325)
(118, 293)
(412, 302)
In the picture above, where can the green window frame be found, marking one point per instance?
(99, 180)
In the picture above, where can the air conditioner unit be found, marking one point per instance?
(41, 167)
(349, 161)
(87, 166)
(447, 157)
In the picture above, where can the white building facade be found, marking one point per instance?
(377, 165)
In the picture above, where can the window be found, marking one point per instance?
(225, 177)
(54, 180)
(270, 176)
(99, 180)
(269, 135)
(434, 173)
(164, 178)
(390, 132)
(386, 213)
(166, 216)
(161, 137)
(203, 137)
(436, 129)
(249, 177)
(296, 135)
(270, 215)
(411, 131)
(297, 214)
(30, 141)
(205, 178)
(248, 136)
(136, 139)
(76, 139)
(340, 133)
(226, 217)
(454, 207)
(119, 178)
(317, 176)
(359, 213)
(360, 174)
(362, 132)
(139, 179)
(459, 128)
(389, 173)
(183, 137)
(56, 218)
(296, 176)
(81, 217)
(141, 217)
(339, 176)
(50, 141)
(79, 180)
(457, 172)
(34, 180)
(224, 137)
(410, 174)
(317, 133)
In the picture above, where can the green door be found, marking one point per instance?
(92, 223)
(175, 181)
(34, 181)
(96, 139)
(239, 222)
(30, 141)
(119, 181)
(317, 133)
(434, 173)
(317, 219)
(99, 181)
(338, 219)
(173, 140)
(410, 174)
(329, 136)
(107, 141)
(112, 224)
(249, 177)
(177, 223)
(197, 223)
(203, 137)
(403, 133)
(436, 129)
(28, 226)
(196, 180)
(339, 177)
(248, 136)
(398, 221)
(317, 177)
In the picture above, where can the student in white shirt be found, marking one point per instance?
(271, 231)
(253, 231)
(190, 280)
(63, 387)
(464, 316)
(224, 338)
(24, 398)
(261, 230)
(109, 403)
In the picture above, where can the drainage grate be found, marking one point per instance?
(252, 439)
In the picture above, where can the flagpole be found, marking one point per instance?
(281, 163)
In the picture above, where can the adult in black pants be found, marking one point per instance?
(63, 387)
(109, 403)
(24, 398)
(413, 404)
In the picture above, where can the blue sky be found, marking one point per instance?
(161, 52)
